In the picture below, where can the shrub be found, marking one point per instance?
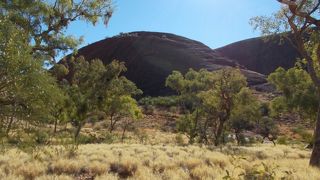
(166, 101)
(282, 140)
(109, 138)
(262, 171)
(84, 139)
(124, 170)
(179, 140)
(41, 137)
(14, 140)
(142, 135)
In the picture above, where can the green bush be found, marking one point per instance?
(179, 140)
(14, 140)
(263, 171)
(109, 138)
(166, 101)
(307, 137)
(282, 140)
(84, 139)
(41, 137)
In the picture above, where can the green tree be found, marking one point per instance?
(130, 113)
(209, 99)
(25, 87)
(118, 102)
(245, 113)
(219, 101)
(298, 92)
(45, 22)
(95, 87)
(268, 128)
(301, 18)
(86, 78)
(188, 88)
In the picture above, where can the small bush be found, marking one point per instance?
(124, 170)
(109, 138)
(166, 101)
(142, 135)
(84, 139)
(41, 137)
(179, 140)
(262, 171)
(14, 140)
(282, 140)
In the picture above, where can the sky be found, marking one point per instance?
(213, 22)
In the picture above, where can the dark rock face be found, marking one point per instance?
(150, 57)
(262, 55)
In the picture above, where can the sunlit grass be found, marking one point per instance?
(137, 161)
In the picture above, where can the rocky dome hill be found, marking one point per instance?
(262, 55)
(151, 56)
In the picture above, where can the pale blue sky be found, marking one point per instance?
(214, 22)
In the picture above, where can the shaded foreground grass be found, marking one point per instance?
(137, 161)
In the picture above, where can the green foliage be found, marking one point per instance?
(245, 114)
(262, 171)
(167, 101)
(282, 140)
(97, 87)
(188, 124)
(179, 140)
(210, 99)
(26, 88)
(44, 22)
(298, 92)
(303, 133)
(41, 137)
(268, 128)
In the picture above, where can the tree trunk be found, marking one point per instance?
(217, 141)
(9, 125)
(113, 122)
(237, 137)
(124, 131)
(76, 135)
(194, 133)
(315, 156)
(55, 126)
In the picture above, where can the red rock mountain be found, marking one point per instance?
(150, 57)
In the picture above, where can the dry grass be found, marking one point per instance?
(137, 161)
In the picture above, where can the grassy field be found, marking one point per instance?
(138, 161)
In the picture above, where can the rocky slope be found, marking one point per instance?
(262, 55)
(150, 57)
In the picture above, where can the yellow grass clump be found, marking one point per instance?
(137, 161)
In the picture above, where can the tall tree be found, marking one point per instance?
(220, 101)
(209, 99)
(44, 22)
(25, 87)
(95, 87)
(301, 17)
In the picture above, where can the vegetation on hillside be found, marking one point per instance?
(301, 19)
(47, 115)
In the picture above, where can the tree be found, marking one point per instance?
(209, 99)
(298, 93)
(45, 22)
(130, 113)
(301, 18)
(25, 87)
(188, 88)
(118, 103)
(245, 113)
(95, 87)
(219, 102)
(267, 128)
